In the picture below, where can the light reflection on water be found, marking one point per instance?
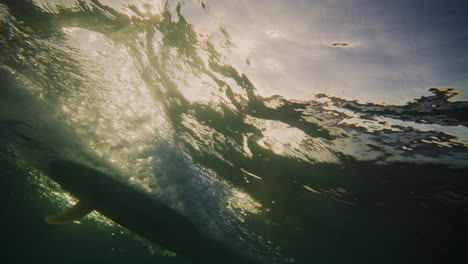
(176, 99)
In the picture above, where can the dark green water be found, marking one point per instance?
(161, 102)
(30, 239)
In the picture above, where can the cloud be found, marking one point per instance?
(397, 49)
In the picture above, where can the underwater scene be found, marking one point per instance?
(234, 131)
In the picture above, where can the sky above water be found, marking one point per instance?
(396, 50)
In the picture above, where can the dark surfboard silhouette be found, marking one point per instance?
(137, 212)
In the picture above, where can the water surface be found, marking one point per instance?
(295, 132)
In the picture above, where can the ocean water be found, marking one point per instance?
(291, 131)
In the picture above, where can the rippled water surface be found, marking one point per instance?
(291, 131)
